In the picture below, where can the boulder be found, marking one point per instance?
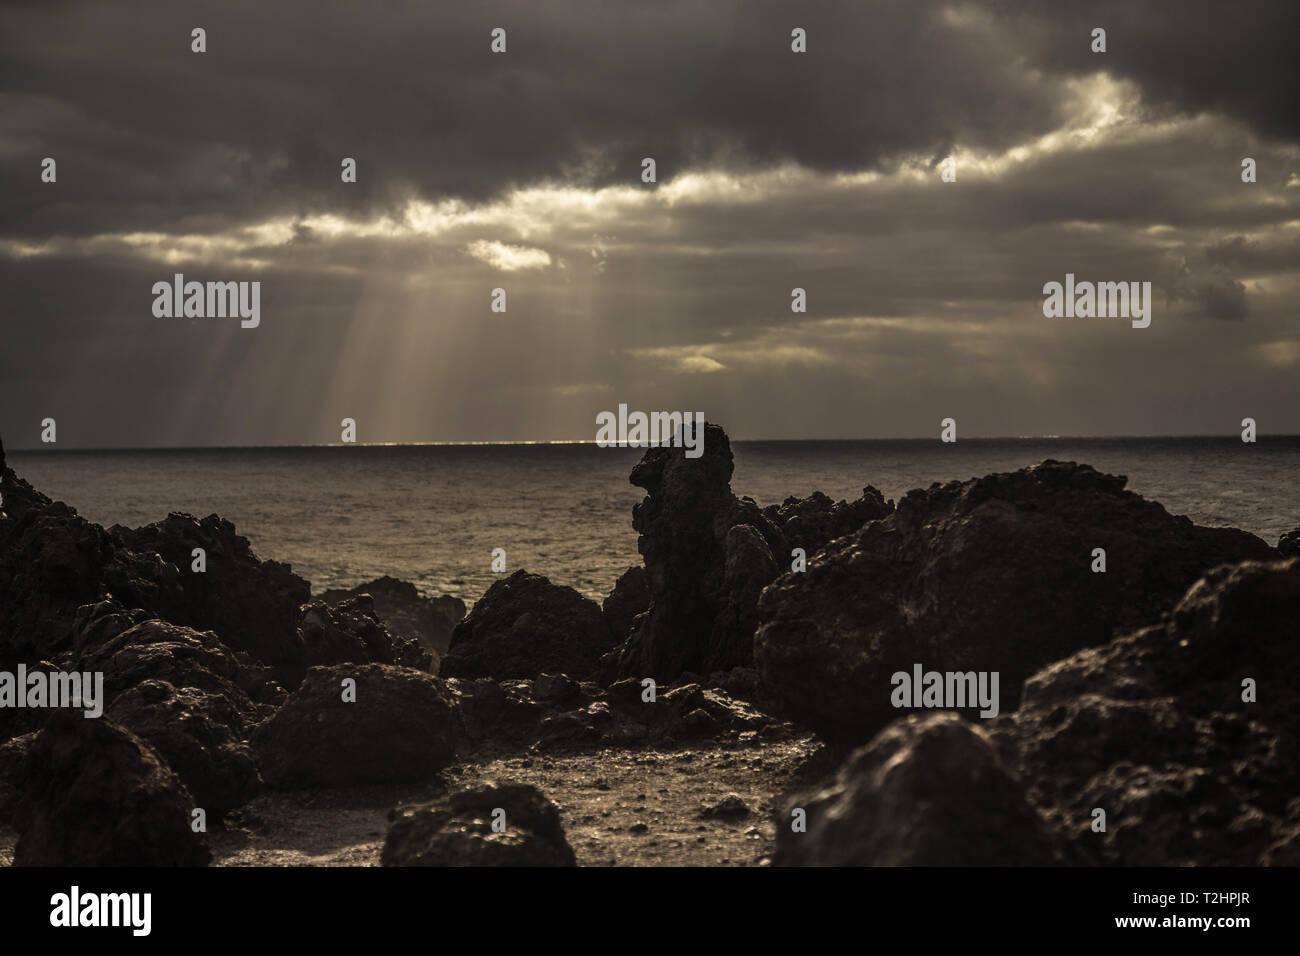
(1289, 544)
(1153, 728)
(992, 574)
(351, 632)
(405, 612)
(458, 830)
(524, 626)
(97, 795)
(401, 727)
(200, 735)
(929, 790)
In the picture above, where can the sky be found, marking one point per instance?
(522, 170)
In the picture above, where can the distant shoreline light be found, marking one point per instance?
(64, 449)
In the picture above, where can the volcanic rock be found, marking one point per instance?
(629, 599)
(97, 795)
(251, 604)
(13, 774)
(992, 574)
(51, 563)
(813, 522)
(351, 632)
(524, 626)
(1155, 729)
(401, 727)
(708, 555)
(200, 735)
(458, 830)
(927, 791)
(406, 613)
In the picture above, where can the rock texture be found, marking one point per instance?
(406, 613)
(524, 626)
(458, 831)
(202, 737)
(401, 727)
(708, 555)
(1153, 729)
(927, 791)
(251, 604)
(51, 563)
(992, 574)
(97, 795)
(1289, 544)
(628, 601)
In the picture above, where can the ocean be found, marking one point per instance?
(432, 514)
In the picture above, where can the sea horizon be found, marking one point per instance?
(54, 448)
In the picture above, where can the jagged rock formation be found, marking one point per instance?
(405, 613)
(992, 574)
(251, 604)
(628, 601)
(351, 632)
(708, 555)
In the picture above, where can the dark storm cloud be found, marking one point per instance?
(923, 297)
(148, 133)
(1188, 56)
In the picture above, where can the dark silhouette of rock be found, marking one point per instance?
(401, 727)
(201, 736)
(97, 795)
(813, 522)
(730, 807)
(927, 791)
(629, 599)
(708, 555)
(351, 632)
(1153, 729)
(180, 656)
(14, 755)
(1289, 544)
(51, 563)
(458, 831)
(405, 612)
(251, 604)
(525, 626)
(992, 574)
(94, 625)
(705, 551)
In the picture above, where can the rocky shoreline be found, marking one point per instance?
(728, 703)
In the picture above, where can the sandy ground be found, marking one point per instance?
(620, 807)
